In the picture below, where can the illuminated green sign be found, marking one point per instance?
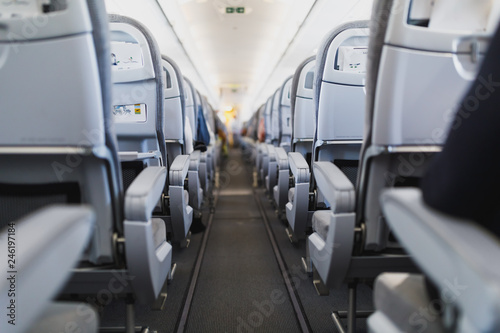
(232, 10)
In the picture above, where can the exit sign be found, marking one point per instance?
(232, 10)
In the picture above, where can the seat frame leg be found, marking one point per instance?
(352, 314)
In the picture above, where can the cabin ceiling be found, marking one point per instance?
(238, 59)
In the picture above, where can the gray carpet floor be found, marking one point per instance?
(240, 287)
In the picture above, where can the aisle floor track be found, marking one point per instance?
(240, 287)
(242, 274)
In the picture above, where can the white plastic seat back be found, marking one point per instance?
(174, 109)
(198, 103)
(57, 145)
(304, 124)
(417, 75)
(285, 115)
(208, 116)
(302, 108)
(208, 112)
(137, 91)
(339, 103)
(176, 127)
(262, 155)
(260, 114)
(339, 96)
(279, 188)
(51, 165)
(268, 120)
(190, 115)
(275, 117)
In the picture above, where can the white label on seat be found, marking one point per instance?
(130, 113)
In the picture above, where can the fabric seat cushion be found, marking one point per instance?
(321, 222)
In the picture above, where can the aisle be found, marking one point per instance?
(240, 286)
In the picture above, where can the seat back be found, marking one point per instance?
(174, 109)
(58, 145)
(339, 96)
(137, 96)
(275, 118)
(416, 77)
(190, 116)
(267, 119)
(198, 107)
(302, 108)
(209, 115)
(253, 125)
(285, 115)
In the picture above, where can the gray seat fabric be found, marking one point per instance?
(53, 240)
(401, 297)
(57, 317)
(159, 232)
(455, 254)
(291, 194)
(321, 222)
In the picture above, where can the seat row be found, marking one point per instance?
(105, 126)
(362, 117)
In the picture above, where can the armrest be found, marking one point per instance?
(135, 155)
(456, 254)
(144, 192)
(263, 148)
(194, 160)
(335, 186)
(178, 170)
(48, 243)
(299, 167)
(281, 158)
(271, 152)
